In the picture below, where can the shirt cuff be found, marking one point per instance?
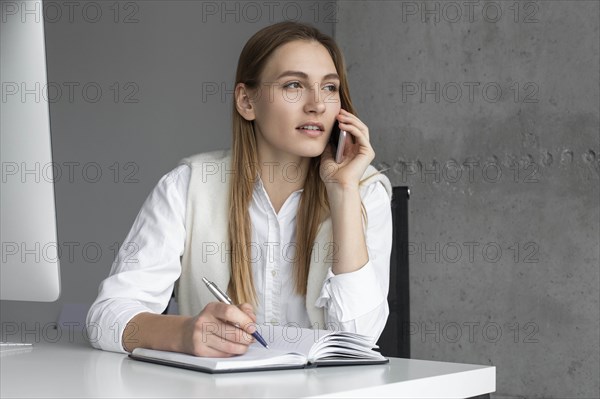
(347, 296)
(106, 332)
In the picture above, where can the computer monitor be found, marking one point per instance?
(30, 265)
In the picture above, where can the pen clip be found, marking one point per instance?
(227, 296)
(216, 291)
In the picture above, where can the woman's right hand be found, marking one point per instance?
(220, 330)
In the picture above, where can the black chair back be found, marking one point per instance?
(395, 338)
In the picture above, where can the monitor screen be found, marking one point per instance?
(30, 264)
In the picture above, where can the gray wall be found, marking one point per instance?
(531, 309)
(526, 298)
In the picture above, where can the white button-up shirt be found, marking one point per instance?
(143, 281)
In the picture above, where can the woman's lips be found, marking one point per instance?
(311, 133)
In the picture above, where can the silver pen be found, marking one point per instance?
(223, 297)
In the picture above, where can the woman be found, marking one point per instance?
(312, 237)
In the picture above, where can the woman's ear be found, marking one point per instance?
(242, 102)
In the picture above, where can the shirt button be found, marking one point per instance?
(274, 321)
(274, 273)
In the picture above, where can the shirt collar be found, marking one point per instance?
(262, 196)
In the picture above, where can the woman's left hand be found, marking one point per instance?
(358, 154)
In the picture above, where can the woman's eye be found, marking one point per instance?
(289, 85)
(296, 85)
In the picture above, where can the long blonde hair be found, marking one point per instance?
(314, 204)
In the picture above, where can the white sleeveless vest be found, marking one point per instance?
(207, 251)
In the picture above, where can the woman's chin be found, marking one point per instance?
(314, 154)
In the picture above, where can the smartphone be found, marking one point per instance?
(338, 140)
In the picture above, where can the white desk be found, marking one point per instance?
(77, 370)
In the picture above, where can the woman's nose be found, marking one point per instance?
(315, 101)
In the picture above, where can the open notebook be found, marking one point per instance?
(289, 347)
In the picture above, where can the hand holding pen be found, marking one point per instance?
(219, 330)
(224, 298)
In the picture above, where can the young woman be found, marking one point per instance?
(295, 237)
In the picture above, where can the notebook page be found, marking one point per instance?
(291, 338)
(257, 356)
(345, 344)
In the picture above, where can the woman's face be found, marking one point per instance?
(299, 87)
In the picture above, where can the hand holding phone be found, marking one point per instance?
(338, 141)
